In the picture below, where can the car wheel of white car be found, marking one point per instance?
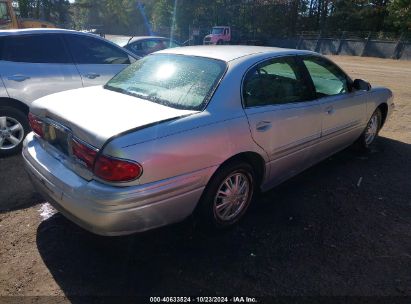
(371, 131)
(13, 129)
(228, 195)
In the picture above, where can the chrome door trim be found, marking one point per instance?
(295, 146)
(310, 141)
(282, 107)
(341, 128)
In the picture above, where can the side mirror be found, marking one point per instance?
(361, 85)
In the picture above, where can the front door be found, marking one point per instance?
(343, 110)
(284, 119)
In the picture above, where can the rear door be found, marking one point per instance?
(36, 65)
(283, 118)
(343, 110)
(97, 60)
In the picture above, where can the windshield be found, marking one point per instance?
(182, 82)
(217, 31)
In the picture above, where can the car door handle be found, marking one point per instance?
(18, 78)
(92, 75)
(330, 110)
(263, 126)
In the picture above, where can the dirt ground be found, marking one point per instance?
(321, 233)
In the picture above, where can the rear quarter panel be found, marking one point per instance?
(207, 145)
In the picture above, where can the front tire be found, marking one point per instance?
(14, 127)
(227, 195)
(371, 131)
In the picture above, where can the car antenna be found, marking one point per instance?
(130, 40)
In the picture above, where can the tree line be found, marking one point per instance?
(261, 18)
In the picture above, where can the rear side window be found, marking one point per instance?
(276, 81)
(47, 48)
(88, 50)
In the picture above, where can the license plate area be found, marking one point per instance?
(59, 137)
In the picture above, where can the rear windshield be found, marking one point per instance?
(178, 81)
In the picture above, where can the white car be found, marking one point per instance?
(38, 62)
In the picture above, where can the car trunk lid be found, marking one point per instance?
(94, 115)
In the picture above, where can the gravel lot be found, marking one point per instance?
(321, 233)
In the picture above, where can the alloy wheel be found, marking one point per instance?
(232, 196)
(11, 133)
(372, 130)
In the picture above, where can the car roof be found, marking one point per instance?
(41, 31)
(230, 52)
(57, 31)
(139, 38)
(124, 40)
(135, 38)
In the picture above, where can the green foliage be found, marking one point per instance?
(56, 11)
(400, 14)
(250, 18)
(114, 16)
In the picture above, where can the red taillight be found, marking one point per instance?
(84, 153)
(104, 167)
(116, 170)
(36, 125)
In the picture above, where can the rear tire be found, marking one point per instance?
(371, 131)
(14, 127)
(227, 196)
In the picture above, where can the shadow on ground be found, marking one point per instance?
(322, 232)
(16, 190)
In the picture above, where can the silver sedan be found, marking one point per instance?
(194, 130)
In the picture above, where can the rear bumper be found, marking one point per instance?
(108, 210)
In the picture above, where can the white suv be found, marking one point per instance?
(39, 62)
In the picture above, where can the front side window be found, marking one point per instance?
(328, 79)
(89, 50)
(47, 48)
(277, 81)
(182, 82)
(4, 14)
